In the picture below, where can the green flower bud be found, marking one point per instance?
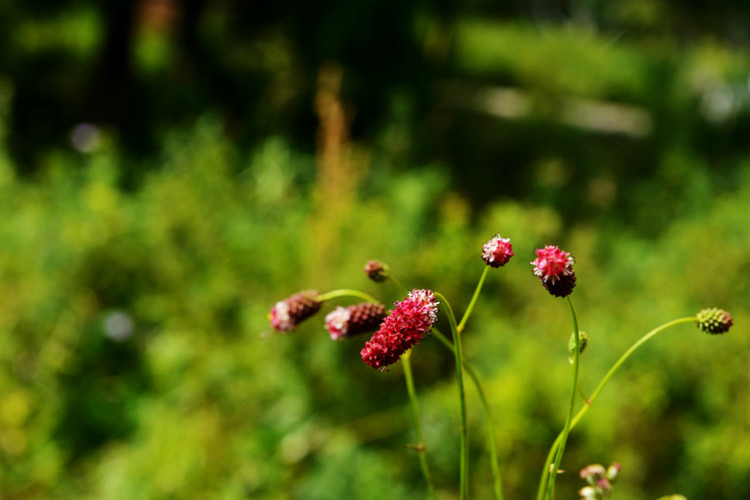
(714, 320)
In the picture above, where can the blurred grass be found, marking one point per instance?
(198, 403)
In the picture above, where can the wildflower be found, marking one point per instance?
(349, 321)
(497, 252)
(376, 271)
(286, 314)
(714, 321)
(600, 481)
(404, 327)
(555, 268)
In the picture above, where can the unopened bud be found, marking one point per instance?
(583, 342)
(377, 271)
(714, 320)
(613, 472)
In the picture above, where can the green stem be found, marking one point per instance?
(421, 449)
(571, 406)
(488, 415)
(346, 292)
(474, 298)
(608, 376)
(397, 282)
(464, 469)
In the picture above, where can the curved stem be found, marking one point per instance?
(421, 449)
(478, 289)
(488, 416)
(397, 282)
(346, 292)
(609, 375)
(464, 470)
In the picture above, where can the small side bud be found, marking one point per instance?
(588, 493)
(377, 271)
(592, 473)
(583, 342)
(714, 321)
(613, 472)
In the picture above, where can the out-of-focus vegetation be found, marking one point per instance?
(169, 170)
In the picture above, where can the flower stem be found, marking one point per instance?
(397, 282)
(406, 362)
(470, 307)
(566, 429)
(488, 416)
(345, 292)
(464, 469)
(606, 379)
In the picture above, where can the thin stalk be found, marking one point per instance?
(397, 282)
(550, 486)
(346, 292)
(488, 416)
(474, 298)
(421, 449)
(464, 469)
(608, 376)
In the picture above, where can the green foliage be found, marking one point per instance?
(199, 403)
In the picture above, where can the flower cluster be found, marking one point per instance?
(286, 314)
(715, 321)
(555, 268)
(345, 322)
(404, 327)
(600, 481)
(497, 252)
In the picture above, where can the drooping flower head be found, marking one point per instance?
(715, 320)
(349, 321)
(376, 271)
(404, 327)
(555, 268)
(286, 314)
(497, 252)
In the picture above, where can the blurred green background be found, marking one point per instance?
(170, 169)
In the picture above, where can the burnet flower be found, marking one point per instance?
(349, 321)
(497, 252)
(404, 327)
(376, 271)
(555, 268)
(286, 314)
(715, 320)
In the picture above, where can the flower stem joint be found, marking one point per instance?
(287, 314)
(714, 321)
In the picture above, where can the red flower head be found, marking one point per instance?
(349, 321)
(286, 314)
(555, 268)
(497, 252)
(407, 324)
